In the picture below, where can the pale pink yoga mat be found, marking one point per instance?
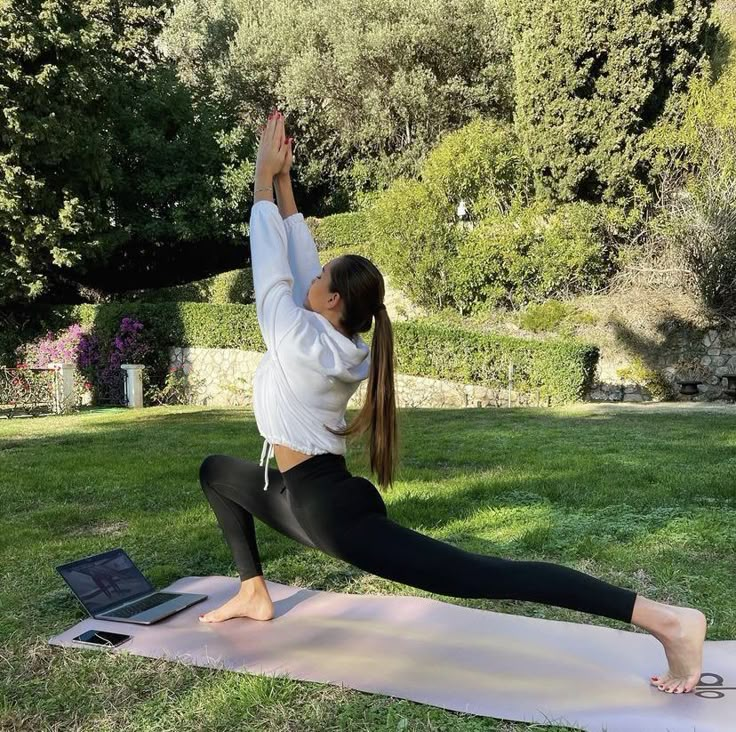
(463, 659)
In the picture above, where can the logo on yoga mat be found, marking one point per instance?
(713, 689)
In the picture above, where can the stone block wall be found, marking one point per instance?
(224, 377)
(713, 356)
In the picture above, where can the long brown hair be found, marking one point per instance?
(362, 290)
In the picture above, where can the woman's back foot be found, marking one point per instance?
(683, 646)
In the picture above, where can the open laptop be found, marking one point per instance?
(111, 587)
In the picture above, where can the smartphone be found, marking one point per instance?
(101, 638)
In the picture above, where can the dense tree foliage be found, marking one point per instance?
(103, 157)
(128, 135)
(368, 88)
(592, 76)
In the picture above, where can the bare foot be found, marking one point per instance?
(258, 607)
(683, 646)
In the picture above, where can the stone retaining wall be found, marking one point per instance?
(224, 377)
(713, 357)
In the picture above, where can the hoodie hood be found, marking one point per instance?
(342, 358)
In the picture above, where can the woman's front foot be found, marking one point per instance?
(256, 605)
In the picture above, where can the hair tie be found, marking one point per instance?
(380, 307)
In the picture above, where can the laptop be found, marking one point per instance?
(111, 587)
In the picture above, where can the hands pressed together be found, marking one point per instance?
(275, 149)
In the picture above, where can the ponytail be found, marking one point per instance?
(378, 413)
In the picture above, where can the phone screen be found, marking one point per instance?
(102, 638)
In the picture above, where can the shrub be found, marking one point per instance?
(97, 358)
(551, 315)
(530, 255)
(61, 348)
(342, 231)
(561, 368)
(481, 164)
(235, 286)
(699, 220)
(413, 226)
(413, 238)
(652, 380)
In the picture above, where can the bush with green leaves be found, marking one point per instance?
(651, 379)
(690, 240)
(235, 286)
(710, 104)
(343, 230)
(699, 219)
(552, 315)
(530, 254)
(481, 164)
(413, 239)
(414, 227)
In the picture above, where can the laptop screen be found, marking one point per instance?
(104, 580)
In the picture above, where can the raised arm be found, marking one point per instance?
(272, 277)
(302, 251)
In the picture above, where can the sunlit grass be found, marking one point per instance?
(641, 499)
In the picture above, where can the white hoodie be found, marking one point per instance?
(310, 370)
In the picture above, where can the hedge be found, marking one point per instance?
(562, 369)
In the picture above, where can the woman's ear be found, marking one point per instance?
(335, 300)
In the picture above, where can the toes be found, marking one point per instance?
(691, 683)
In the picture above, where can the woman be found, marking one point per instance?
(310, 318)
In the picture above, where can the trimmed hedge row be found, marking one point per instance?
(342, 230)
(562, 369)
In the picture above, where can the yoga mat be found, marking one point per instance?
(463, 659)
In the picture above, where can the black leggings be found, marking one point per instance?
(320, 504)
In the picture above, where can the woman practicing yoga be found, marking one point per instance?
(310, 318)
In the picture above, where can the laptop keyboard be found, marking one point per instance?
(145, 604)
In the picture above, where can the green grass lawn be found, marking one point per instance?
(639, 498)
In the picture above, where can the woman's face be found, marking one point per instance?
(319, 298)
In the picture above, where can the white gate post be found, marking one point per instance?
(134, 381)
(63, 385)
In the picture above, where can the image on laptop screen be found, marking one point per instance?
(106, 580)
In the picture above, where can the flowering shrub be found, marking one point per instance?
(127, 347)
(98, 365)
(60, 349)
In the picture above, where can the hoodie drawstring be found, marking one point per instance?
(266, 453)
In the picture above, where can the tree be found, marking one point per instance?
(102, 146)
(368, 88)
(591, 77)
